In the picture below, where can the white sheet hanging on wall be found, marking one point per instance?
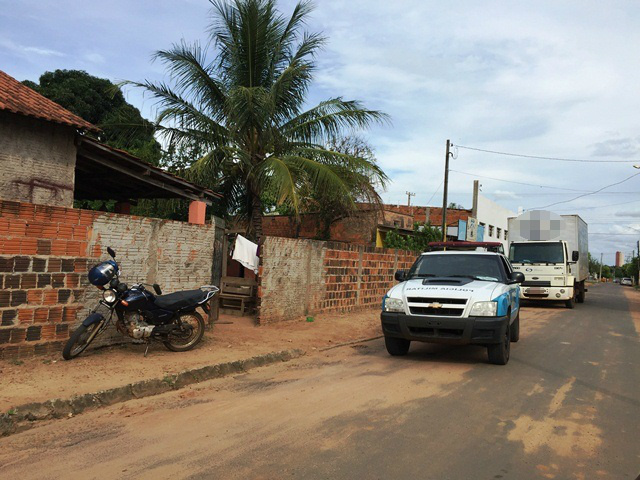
(246, 252)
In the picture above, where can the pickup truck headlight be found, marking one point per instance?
(484, 309)
(393, 305)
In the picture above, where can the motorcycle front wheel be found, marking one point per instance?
(187, 335)
(80, 340)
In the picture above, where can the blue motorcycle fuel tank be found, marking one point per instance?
(137, 300)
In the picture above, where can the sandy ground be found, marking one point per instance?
(633, 297)
(47, 377)
(565, 407)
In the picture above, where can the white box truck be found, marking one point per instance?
(552, 251)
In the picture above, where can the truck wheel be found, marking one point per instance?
(515, 328)
(499, 353)
(396, 346)
(581, 293)
(571, 302)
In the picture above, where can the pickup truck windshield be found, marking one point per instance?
(478, 267)
(536, 253)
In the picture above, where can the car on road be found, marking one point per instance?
(455, 297)
(626, 281)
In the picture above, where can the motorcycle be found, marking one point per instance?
(170, 319)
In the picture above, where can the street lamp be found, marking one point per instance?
(636, 166)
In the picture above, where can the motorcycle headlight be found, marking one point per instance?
(393, 305)
(484, 309)
(109, 296)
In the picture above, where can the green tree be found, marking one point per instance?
(331, 206)
(423, 234)
(100, 102)
(244, 108)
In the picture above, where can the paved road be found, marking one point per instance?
(567, 406)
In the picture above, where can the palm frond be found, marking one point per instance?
(329, 119)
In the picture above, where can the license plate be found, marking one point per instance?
(535, 291)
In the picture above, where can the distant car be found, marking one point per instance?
(616, 280)
(626, 281)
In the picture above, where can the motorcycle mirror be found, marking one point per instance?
(157, 289)
(111, 252)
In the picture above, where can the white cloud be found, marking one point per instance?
(95, 58)
(24, 50)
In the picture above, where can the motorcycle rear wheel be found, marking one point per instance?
(188, 336)
(79, 340)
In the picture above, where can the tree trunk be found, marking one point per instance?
(255, 221)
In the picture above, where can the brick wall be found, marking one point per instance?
(358, 228)
(431, 214)
(300, 277)
(45, 253)
(37, 161)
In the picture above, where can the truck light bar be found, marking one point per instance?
(467, 246)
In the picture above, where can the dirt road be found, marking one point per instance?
(567, 406)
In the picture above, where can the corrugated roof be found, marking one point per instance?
(22, 100)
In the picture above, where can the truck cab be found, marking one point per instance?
(549, 270)
(455, 297)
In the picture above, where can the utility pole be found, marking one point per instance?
(601, 255)
(446, 190)
(476, 192)
(409, 195)
(638, 276)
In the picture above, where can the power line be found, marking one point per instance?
(611, 234)
(434, 193)
(537, 157)
(587, 194)
(600, 206)
(517, 183)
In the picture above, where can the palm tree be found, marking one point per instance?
(245, 110)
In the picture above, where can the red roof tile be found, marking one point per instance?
(18, 98)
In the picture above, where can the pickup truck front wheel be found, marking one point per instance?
(515, 328)
(396, 346)
(499, 353)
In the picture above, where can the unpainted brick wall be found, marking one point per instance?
(37, 161)
(303, 277)
(45, 253)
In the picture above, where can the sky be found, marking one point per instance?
(545, 79)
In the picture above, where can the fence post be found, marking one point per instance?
(218, 265)
(359, 284)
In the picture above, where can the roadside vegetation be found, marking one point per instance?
(627, 270)
(423, 233)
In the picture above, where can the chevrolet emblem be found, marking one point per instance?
(436, 305)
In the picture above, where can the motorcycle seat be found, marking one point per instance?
(180, 300)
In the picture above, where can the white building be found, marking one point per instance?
(492, 220)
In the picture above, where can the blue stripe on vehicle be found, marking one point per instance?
(384, 299)
(503, 304)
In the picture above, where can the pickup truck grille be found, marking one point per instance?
(441, 312)
(437, 332)
(447, 307)
(448, 301)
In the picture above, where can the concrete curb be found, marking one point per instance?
(25, 416)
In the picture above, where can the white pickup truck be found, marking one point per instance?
(455, 297)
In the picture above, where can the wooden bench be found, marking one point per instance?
(237, 295)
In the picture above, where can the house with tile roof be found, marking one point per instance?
(48, 156)
(37, 146)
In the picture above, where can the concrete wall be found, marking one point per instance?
(37, 161)
(45, 253)
(303, 277)
(490, 214)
